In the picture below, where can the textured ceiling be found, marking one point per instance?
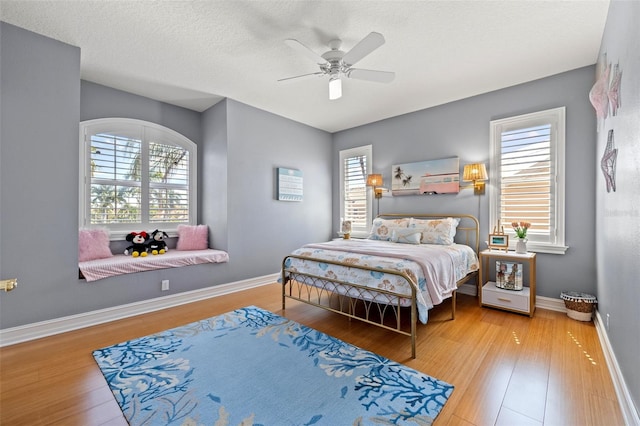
(195, 53)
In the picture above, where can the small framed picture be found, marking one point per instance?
(499, 242)
(509, 275)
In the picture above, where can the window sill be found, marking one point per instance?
(543, 248)
(120, 264)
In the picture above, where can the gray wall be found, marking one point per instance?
(462, 129)
(43, 101)
(263, 228)
(40, 86)
(618, 213)
(259, 229)
(97, 101)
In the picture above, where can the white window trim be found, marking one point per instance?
(366, 150)
(556, 117)
(120, 232)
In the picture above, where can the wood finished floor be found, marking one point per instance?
(507, 369)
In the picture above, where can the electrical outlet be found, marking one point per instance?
(165, 285)
(607, 322)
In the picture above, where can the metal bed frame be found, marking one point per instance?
(362, 303)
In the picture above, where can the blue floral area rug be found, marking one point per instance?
(253, 367)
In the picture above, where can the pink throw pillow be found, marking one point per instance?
(93, 244)
(193, 237)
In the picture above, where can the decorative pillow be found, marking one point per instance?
(436, 231)
(93, 244)
(193, 237)
(383, 228)
(407, 235)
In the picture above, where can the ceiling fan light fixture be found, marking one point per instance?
(335, 88)
(337, 64)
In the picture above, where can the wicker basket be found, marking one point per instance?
(579, 306)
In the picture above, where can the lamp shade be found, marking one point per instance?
(374, 180)
(474, 172)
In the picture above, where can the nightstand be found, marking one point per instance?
(522, 301)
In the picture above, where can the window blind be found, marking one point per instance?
(168, 183)
(355, 191)
(527, 176)
(115, 179)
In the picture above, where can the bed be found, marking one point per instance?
(409, 264)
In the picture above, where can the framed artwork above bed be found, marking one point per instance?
(426, 177)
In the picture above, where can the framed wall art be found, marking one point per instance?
(289, 185)
(426, 177)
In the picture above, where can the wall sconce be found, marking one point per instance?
(476, 173)
(375, 180)
(8, 285)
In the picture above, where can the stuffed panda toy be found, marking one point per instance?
(157, 245)
(138, 245)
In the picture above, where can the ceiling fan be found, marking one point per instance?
(337, 64)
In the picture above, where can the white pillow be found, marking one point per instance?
(436, 231)
(382, 229)
(407, 236)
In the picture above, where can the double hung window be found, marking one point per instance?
(355, 199)
(527, 172)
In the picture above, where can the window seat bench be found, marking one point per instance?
(120, 264)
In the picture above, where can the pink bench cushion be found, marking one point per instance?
(119, 264)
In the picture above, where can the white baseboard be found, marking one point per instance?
(550, 304)
(23, 333)
(627, 406)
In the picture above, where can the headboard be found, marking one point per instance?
(468, 231)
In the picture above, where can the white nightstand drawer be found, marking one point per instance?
(515, 300)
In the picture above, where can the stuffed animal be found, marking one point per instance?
(139, 246)
(157, 244)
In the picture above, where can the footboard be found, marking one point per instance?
(381, 302)
(373, 306)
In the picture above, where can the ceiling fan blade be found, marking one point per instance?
(304, 50)
(367, 45)
(372, 75)
(302, 76)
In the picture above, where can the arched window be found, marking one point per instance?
(135, 176)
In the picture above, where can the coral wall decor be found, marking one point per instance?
(598, 93)
(614, 90)
(608, 163)
(605, 93)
